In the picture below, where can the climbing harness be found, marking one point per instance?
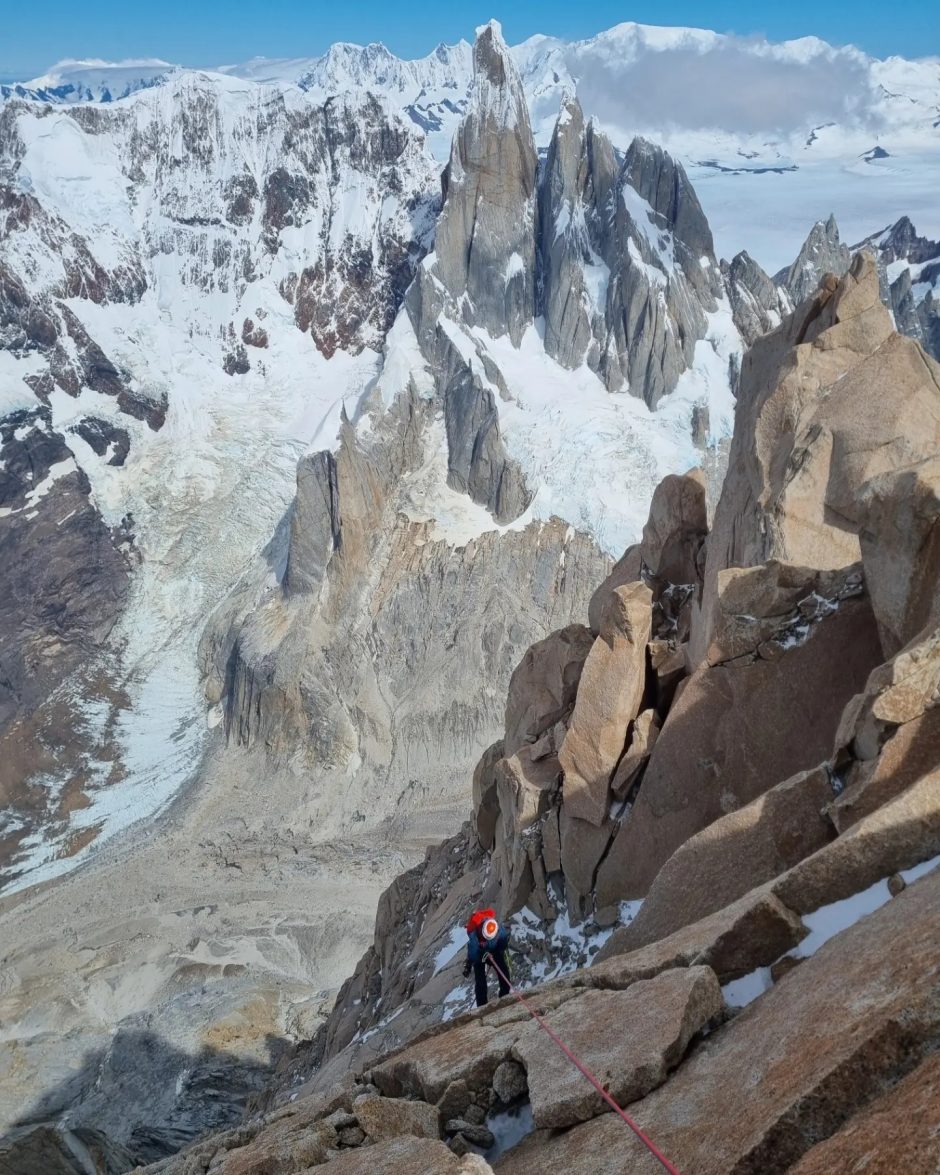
(583, 1069)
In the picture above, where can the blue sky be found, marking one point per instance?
(209, 32)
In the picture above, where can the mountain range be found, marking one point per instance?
(328, 388)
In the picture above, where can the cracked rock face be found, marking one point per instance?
(758, 303)
(65, 581)
(656, 1021)
(485, 240)
(627, 261)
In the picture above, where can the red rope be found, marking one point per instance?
(647, 1142)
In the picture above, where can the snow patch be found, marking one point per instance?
(568, 946)
(509, 1128)
(741, 992)
(513, 266)
(824, 924)
(457, 1001)
(595, 458)
(61, 469)
(450, 950)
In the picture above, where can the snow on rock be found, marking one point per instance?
(559, 947)
(824, 924)
(450, 950)
(594, 457)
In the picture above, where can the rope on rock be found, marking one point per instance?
(583, 1069)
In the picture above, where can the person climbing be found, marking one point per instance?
(486, 939)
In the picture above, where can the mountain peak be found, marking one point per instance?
(491, 59)
(492, 28)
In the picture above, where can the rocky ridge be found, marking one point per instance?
(908, 269)
(750, 964)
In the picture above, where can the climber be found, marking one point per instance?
(486, 939)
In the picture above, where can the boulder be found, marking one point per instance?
(288, 1149)
(900, 540)
(583, 846)
(455, 1100)
(656, 1019)
(551, 841)
(896, 692)
(613, 684)
(887, 736)
(668, 664)
(470, 1052)
(896, 1132)
(774, 603)
(383, 1118)
(543, 686)
(512, 871)
(734, 732)
(752, 932)
(734, 855)
(475, 1134)
(509, 1082)
(671, 544)
(897, 836)
(525, 788)
(909, 752)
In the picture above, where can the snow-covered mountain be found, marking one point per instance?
(201, 279)
(177, 272)
(801, 126)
